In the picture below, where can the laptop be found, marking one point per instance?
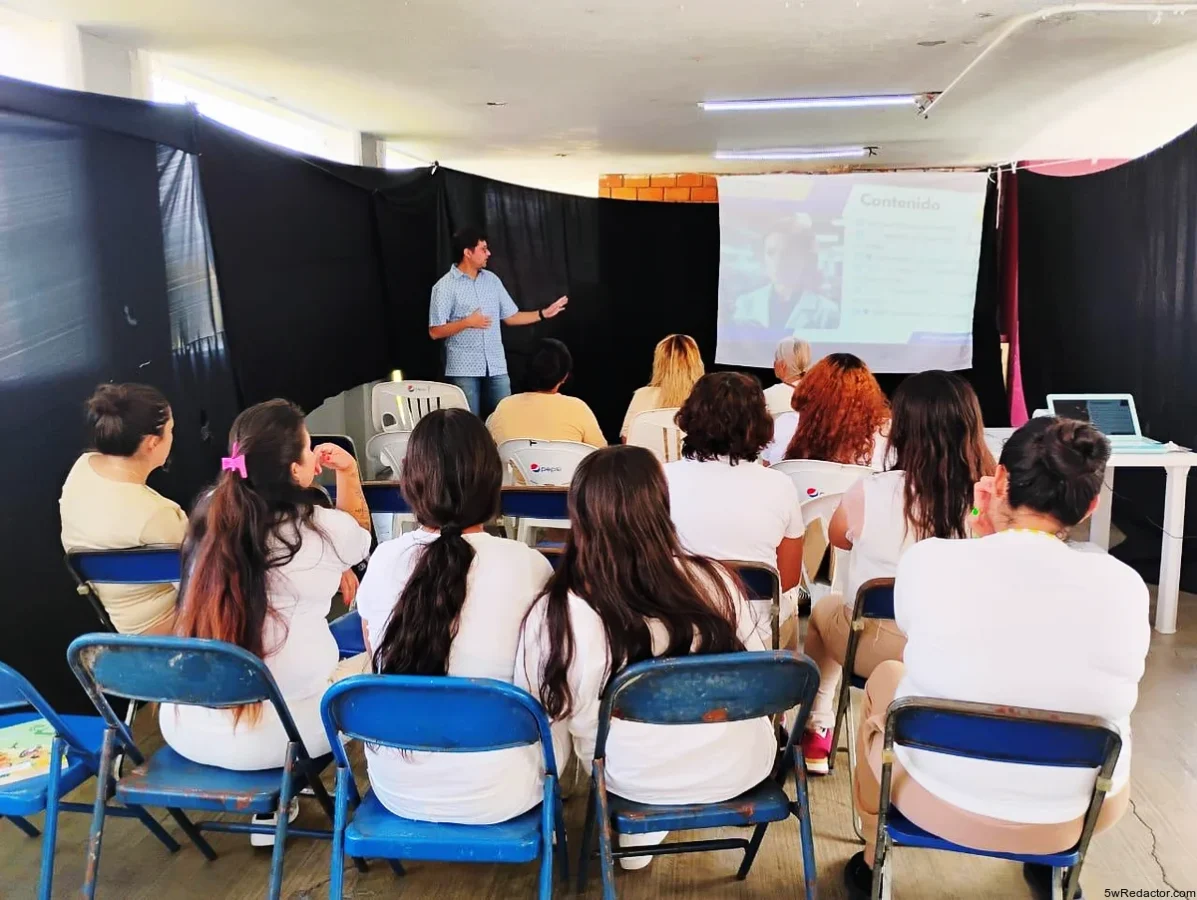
(1114, 415)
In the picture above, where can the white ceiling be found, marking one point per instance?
(613, 84)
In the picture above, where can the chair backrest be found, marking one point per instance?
(545, 462)
(656, 430)
(387, 449)
(439, 714)
(1032, 737)
(816, 477)
(761, 581)
(875, 599)
(185, 671)
(505, 450)
(16, 693)
(385, 497)
(822, 508)
(399, 405)
(157, 564)
(724, 687)
(536, 502)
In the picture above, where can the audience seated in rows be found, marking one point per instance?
(542, 412)
(724, 504)
(626, 591)
(263, 558)
(1019, 619)
(107, 505)
(791, 360)
(677, 366)
(939, 450)
(843, 415)
(448, 599)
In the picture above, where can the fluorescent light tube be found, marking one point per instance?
(782, 153)
(859, 102)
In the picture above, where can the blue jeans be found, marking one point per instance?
(483, 392)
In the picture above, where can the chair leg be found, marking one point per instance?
(881, 873)
(25, 825)
(887, 879)
(603, 821)
(547, 830)
(587, 840)
(336, 886)
(750, 853)
(280, 824)
(843, 701)
(809, 871)
(397, 867)
(53, 781)
(155, 828)
(95, 838)
(857, 824)
(562, 845)
(1058, 884)
(193, 833)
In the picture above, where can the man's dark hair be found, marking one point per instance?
(466, 238)
(725, 415)
(551, 363)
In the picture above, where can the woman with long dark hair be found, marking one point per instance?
(938, 452)
(842, 414)
(1017, 619)
(448, 599)
(264, 557)
(107, 505)
(626, 591)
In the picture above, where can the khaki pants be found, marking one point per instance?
(930, 813)
(827, 644)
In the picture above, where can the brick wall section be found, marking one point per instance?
(688, 187)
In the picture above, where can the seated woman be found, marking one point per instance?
(843, 415)
(1020, 619)
(677, 365)
(448, 599)
(626, 591)
(939, 451)
(107, 505)
(542, 412)
(791, 360)
(263, 559)
(724, 504)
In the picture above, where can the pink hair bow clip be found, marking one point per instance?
(234, 463)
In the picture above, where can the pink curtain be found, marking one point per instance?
(1009, 300)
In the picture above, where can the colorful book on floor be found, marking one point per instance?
(25, 751)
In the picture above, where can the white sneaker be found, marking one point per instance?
(271, 819)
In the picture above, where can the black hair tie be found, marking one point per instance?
(451, 531)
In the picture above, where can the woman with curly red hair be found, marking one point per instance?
(842, 414)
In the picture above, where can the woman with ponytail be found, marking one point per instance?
(625, 591)
(264, 556)
(448, 599)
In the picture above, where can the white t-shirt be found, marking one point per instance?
(1020, 619)
(704, 763)
(475, 788)
(883, 533)
(784, 426)
(778, 397)
(301, 653)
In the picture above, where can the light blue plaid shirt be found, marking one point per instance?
(474, 351)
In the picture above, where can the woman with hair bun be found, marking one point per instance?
(107, 505)
(1018, 619)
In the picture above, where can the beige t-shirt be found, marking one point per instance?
(539, 416)
(645, 398)
(101, 514)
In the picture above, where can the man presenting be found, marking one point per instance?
(467, 305)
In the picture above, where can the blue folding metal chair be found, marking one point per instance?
(726, 687)
(761, 582)
(191, 672)
(347, 632)
(79, 738)
(874, 600)
(445, 715)
(155, 564)
(1031, 737)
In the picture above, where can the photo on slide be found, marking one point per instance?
(883, 265)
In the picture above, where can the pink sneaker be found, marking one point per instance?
(816, 747)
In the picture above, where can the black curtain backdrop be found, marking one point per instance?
(1108, 303)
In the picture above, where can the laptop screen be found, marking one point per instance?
(1111, 416)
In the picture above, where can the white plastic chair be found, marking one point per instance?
(394, 443)
(399, 405)
(814, 477)
(542, 463)
(821, 509)
(656, 430)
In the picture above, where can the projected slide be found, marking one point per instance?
(883, 265)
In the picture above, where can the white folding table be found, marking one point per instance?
(1176, 465)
